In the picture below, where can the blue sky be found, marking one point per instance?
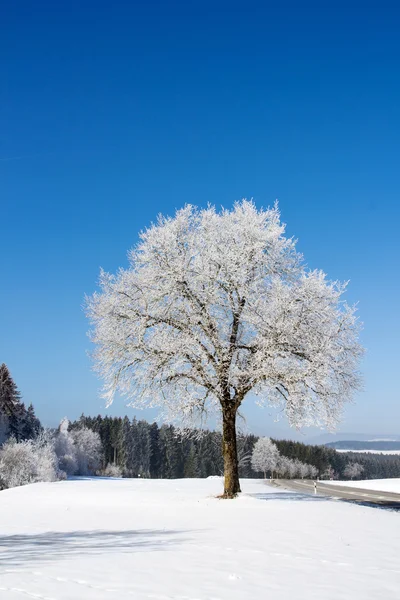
(114, 112)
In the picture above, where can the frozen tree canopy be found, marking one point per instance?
(265, 455)
(353, 470)
(216, 305)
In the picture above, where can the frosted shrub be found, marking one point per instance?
(112, 471)
(17, 463)
(28, 461)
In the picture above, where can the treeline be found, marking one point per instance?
(323, 458)
(327, 459)
(142, 449)
(375, 466)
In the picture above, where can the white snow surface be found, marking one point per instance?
(97, 539)
(379, 485)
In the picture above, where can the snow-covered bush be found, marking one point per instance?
(87, 445)
(28, 461)
(17, 463)
(112, 470)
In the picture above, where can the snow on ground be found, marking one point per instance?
(97, 539)
(380, 485)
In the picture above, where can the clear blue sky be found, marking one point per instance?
(112, 112)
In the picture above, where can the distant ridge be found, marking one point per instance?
(376, 445)
(328, 438)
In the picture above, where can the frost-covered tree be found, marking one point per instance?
(215, 307)
(65, 449)
(329, 473)
(287, 467)
(46, 459)
(353, 470)
(265, 456)
(301, 469)
(87, 445)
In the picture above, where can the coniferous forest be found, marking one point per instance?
(147, 450)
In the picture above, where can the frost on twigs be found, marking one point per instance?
(215, 305)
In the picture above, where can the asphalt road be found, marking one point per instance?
(306, 486)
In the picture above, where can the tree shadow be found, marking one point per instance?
(297, 496)
(46, 547)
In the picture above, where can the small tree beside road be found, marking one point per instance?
(265, 457)
(353, 470)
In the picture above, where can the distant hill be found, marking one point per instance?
(372, 445)
(328, 438)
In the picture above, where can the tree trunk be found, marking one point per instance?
(229, 449)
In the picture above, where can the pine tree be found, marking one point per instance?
(9, 393)
(191, 468)
(129, 447)
(16, 421)
(144, 445)
(155, 455)
(31, 426)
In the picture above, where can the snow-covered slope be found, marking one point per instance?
(161, 540)
(380, 485)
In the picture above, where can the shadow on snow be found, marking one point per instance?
(296, 496)
(22, 548)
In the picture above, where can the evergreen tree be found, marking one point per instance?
(9, 393)
(129, 442)
(155, 454)
(144, 448)
(16, 421)
(31, 426)
(191, 468)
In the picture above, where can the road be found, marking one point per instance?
(305, 486)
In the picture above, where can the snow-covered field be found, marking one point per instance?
(97, 539)
(379, 485)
